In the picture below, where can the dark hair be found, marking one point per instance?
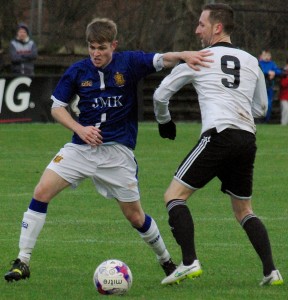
(23, 26)
(223, 13)
(101, 30)
(266, 50)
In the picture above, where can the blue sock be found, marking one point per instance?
(146, 225)
(38, 206)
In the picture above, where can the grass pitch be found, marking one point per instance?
(83, 228)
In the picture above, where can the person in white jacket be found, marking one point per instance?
(231, 93)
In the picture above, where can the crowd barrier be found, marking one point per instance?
(27, 99)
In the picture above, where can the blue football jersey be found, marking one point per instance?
(108, 96)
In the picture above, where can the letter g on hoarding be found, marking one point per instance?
(19, 102)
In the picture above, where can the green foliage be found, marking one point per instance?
(83, 228)
(259, 24)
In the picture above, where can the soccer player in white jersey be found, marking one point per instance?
(231, 92)
(104, 137)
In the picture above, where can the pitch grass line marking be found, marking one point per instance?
(57, 222)
(137, 242)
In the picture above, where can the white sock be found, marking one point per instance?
(32, 224)
(153, 238)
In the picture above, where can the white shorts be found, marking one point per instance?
(112, 168)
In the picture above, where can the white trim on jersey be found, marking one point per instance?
(58, 103)
(102, 82)
(158, 62)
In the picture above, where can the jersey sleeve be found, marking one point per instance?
(180, 76)
(140, 63)
(65, 89)
(260, 99)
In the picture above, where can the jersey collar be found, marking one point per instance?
(222, 44)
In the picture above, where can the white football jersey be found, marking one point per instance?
(231, 92)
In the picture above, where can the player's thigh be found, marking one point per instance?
(202, 162)
(236, 174)
(116, 177)
(50, 184)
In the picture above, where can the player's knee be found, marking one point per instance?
(136, 220)
(41, 193)
(241, 208)
(168, 196)
(177, 190)
(240, 215)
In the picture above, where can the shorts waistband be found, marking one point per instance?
(213, 131)
(209, 132)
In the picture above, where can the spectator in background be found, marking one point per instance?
(283, 94)
(23, 52)
(270, 70)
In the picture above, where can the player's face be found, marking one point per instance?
(204, 29)
(101, 54)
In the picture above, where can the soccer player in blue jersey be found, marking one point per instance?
(104, 137)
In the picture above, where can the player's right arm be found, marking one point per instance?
(180, 76)
(194, 59)
(172, 83)
(91, 135)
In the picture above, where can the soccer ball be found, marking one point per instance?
(112, 277)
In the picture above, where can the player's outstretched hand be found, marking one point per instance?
(194, 59)
(167, 130)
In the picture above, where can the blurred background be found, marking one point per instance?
(58, 27)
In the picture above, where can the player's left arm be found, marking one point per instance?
(260, 99)
(194, 59)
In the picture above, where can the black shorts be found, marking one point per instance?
(228, 155)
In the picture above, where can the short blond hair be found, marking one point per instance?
(101, 30)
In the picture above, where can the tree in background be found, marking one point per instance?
(159, 25)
